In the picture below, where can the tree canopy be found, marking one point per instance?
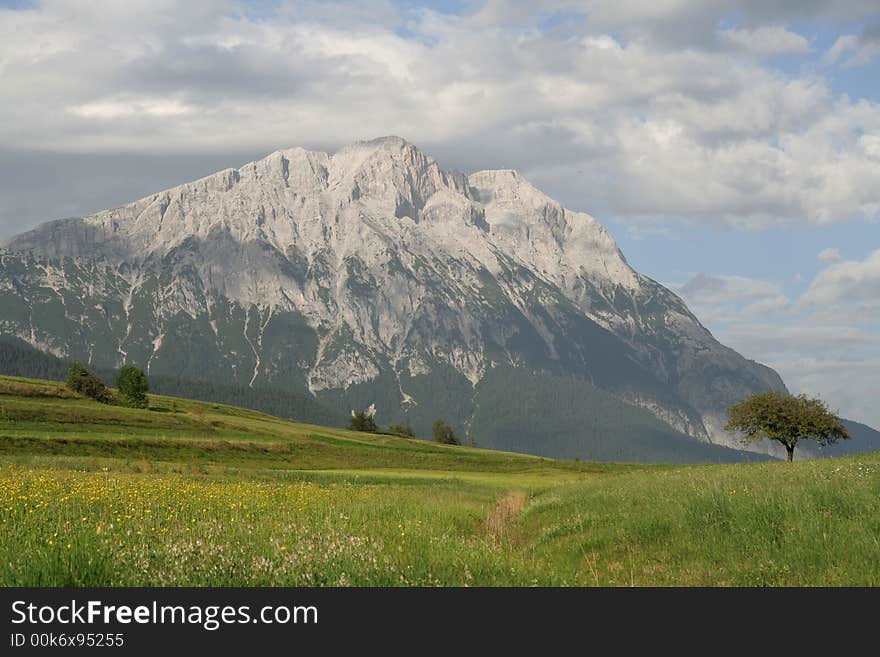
(787, 419)
(133, 386)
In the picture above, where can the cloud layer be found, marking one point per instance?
(823, 342)
(594, 99)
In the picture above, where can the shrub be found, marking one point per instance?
(76, 375)
(82, 381)
(362, 421)
(404, 431)
(444, 434)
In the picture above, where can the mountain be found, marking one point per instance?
(374, 276)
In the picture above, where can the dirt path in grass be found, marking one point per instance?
(500, 520)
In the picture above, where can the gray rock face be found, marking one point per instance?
(369, 275)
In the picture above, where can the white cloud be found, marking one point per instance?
(855, 282)
(829, 256)
(766, 41)
(114, 109)
(767, 305)
(848, 385)
(688, 18)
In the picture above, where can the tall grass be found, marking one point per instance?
(815, 523)
(812, 523)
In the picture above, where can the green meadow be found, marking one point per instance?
(200, 494)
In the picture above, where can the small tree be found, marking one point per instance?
(133, 386)
(786, 419)
(404, 431)
(81, 380)
(362, 421)
(76, 375)
(444, 434)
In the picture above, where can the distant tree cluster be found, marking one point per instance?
(366, 421)
(131, 382)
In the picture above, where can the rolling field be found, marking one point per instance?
(193, 493)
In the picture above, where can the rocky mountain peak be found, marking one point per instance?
(369, 269)
(392, 175)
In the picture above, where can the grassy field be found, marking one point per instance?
(190, 493)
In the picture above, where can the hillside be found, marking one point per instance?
(543, 423)
(546, 420)
(201, 494)
(43, 418)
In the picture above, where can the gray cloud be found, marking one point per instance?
(774, 340)
(679, 23)
(727, 289)
(855, 49)
(721, 300)
(587, 116)
(42, 186)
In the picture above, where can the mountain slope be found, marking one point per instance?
(17, 358)
(370, 276)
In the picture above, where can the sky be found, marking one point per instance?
(732, 148)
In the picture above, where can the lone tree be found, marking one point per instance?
(362, 421)
(786, 419)
(81, 380)
(133, 386)
(444, 434)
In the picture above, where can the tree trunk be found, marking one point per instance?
(790, 450)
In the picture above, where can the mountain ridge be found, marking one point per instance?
(371, 267)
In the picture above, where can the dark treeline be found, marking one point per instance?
(17, 358)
